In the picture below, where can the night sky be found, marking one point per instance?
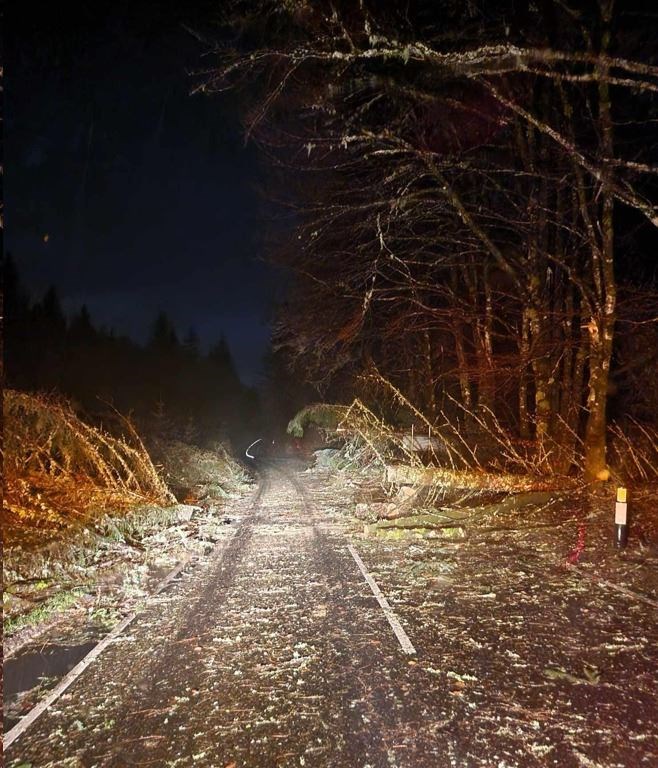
(121, 189)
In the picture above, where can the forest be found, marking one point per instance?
(467, 199)
(429, 536)
(169, 387)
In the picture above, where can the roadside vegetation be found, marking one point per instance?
(91, 517)
(427, 478)
(61, 473)
(97, 503)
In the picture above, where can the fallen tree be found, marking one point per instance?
(61, 472)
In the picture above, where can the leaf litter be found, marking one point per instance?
(276, 654)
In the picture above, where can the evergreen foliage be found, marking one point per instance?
(171, 389)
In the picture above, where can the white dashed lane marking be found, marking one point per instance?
(401, 635)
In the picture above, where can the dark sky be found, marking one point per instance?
(123, 190)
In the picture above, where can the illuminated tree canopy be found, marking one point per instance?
(459, 184)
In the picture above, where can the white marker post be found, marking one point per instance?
(621, 519)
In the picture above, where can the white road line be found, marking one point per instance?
(401, 635)
(617, 587)
(80, 667)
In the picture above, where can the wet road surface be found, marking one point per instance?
(274, 652)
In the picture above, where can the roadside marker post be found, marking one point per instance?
(621, 519)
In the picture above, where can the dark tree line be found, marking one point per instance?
(467, 186)
(169, 386)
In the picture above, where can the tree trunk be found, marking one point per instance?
(601, 328)
(457, 327)
(524, 356)
(484, 351)
(430, 392)
(541, 368)
(596, 428)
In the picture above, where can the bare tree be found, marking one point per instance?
(455, 218)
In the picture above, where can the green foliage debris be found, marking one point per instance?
(322, 415)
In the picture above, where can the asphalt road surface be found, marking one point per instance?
(274, 652)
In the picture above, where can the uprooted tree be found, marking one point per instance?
(464, 172)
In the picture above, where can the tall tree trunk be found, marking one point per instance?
(524, 356)
(482, 340)
(488, 385)
(430, 392)
(536, 311)
(569, 392)
(595, 431)
(541, 367)
(601, 326)
(462, 365)
(457, 327)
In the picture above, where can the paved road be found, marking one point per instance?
(275, 653)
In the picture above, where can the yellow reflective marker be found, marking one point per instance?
(621, 495)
